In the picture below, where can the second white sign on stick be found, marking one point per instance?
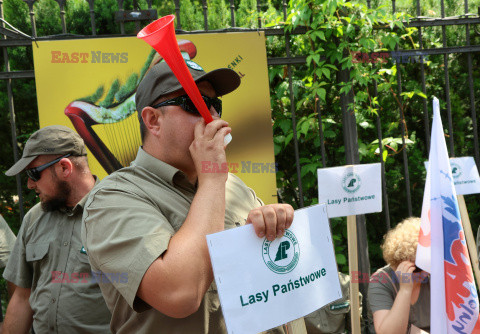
(350, 190)
(465, 175)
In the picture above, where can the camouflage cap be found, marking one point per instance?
(51, 140)
(160, 80)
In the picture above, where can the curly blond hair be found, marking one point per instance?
(400, 243)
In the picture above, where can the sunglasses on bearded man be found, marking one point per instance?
(35, 172)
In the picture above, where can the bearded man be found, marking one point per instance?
(55, 291)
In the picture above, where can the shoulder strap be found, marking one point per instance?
(390, 279)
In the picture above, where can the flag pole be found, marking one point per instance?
(467, 228)
(353, 264)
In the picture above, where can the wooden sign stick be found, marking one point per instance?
(353, 264)
(467, 228)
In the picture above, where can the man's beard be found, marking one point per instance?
(59, 200)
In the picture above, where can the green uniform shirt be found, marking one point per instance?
(48, 258)
(333, 317)
(7, 241)
(382, 294)
(129, 219)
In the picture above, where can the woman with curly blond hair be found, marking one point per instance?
(399, 293)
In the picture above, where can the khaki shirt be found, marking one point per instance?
(129, 219)
(7, 241)
(48, 258)
(333, 317)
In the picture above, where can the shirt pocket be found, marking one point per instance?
(36, 252)
(329, 319)
(82, 275)
(83, 264)
(340, 307)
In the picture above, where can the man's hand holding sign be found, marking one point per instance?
(271, 220)
(274, 280)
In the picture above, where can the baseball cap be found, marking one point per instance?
(160, 80)
(54, 140)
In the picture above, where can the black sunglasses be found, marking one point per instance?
(187, 104)
(34, 173)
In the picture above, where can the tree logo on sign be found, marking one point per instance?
(351, 182)
(456, 170)
(281, 255)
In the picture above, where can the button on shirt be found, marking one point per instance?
(129, 219)
(48, 258)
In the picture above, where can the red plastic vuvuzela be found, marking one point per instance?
(160, 35)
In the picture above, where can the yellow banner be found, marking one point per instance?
(89, 85)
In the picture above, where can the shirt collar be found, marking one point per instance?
(79, 206)
(168, 173)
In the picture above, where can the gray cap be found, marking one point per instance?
(160, 80)
(54, 140)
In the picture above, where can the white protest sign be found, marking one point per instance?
(350, 190)
(465, 175)
(263, 284)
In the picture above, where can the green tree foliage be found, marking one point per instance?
(191, 15)
(104, 17)
(247, 14)
(218, 15)
(336, 30)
